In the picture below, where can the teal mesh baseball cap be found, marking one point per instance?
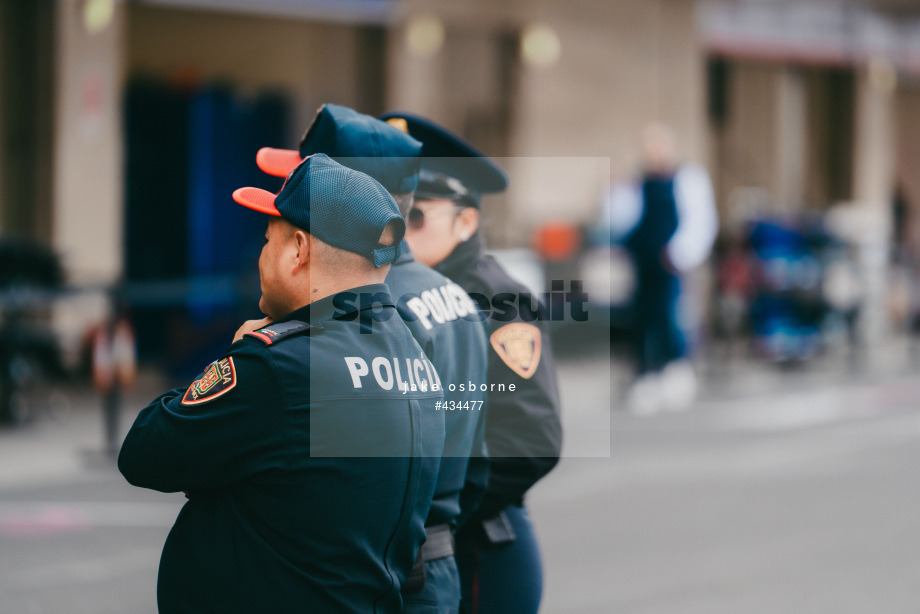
(336, 204)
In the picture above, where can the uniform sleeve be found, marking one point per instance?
(223, 428)
(523, 428)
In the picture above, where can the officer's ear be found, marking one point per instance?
(301, 243)
(466, 223)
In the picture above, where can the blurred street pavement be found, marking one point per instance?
(776, 492)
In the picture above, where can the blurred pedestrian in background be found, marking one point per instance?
(427, 301)
(497, 550)
(309, 478)
(667, 221)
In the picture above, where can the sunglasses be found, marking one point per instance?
(416, 218)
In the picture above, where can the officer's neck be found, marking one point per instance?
(322, 287)
(326, 307)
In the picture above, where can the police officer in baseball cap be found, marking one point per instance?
(309, 451)
(443, 320)
(496, 548)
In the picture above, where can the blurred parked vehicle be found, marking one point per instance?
(789, 284)
(30, 279)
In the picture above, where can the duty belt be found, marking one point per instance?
(440, 543)
(498, 529)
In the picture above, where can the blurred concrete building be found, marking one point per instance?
(811, 102)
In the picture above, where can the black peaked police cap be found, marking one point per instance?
(446, 156)
(337, 205)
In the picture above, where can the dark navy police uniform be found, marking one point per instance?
(309, 451)
(438, 312)
(497, 551)
(279, 518)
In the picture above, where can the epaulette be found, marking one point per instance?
(274, 333)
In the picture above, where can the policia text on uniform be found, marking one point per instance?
(451, 303)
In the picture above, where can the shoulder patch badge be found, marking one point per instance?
(276, 332)
(518, 345)
(218, 379)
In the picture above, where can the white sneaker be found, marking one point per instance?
(679, 386)
(645, 396)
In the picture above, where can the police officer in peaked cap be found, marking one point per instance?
(497, 550)
(443, 319)
(309, 451)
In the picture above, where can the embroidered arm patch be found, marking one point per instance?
(218, 379)
(518, 345)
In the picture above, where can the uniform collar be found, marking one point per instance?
(463, 258)
(341, 304)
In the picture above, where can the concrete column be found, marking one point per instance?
(873, 188)
(415, 64)
(87, 215)
(874, 151)
(790, 142)
(87, 225)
